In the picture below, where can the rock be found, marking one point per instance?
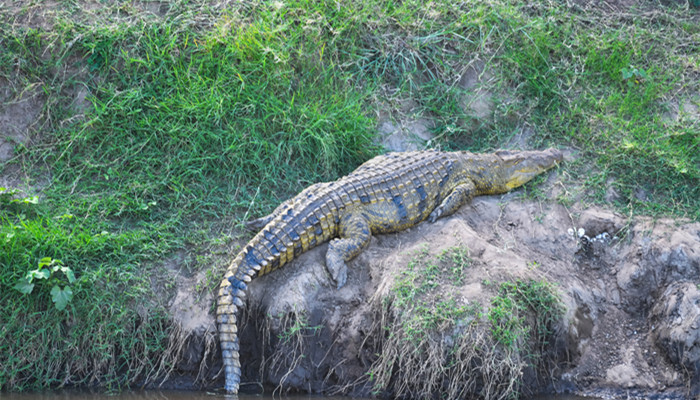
(596, 222)
(623, 375)
(638, 283)
(676, 320)
(407, 135)
(18, 119)
(611, 194)
(683, 254)
(641, 194)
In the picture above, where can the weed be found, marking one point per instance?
(514, 301)
(298, 327)
(456, 348)
(634, 76)
(60, 295)
(291, 346)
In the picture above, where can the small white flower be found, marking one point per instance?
(581, 232)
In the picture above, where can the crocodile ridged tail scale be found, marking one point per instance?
(386, 194)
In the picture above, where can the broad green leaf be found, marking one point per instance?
(39, 273)
(61, 297)
(45, 262)
(31, 200)
(69, 274)
(24, 286)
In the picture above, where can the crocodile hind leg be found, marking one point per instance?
(458, 197)
(354, 236)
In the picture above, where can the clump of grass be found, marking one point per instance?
(454, 348)
(415, 292)
(516, 302)
(105, 333)
(288, 349)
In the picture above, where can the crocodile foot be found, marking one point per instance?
(337, 268)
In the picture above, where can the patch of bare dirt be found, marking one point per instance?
(193, 342)
(478, 101)
(683, 110)
(19, 117)
(405, 129)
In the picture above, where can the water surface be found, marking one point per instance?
(192, 395)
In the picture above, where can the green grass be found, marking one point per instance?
(515, 302)
(423, 297)
(461, 347)
(573, 67)
(106, 334)
(199, 117)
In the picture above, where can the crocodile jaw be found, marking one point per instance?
(520, 167)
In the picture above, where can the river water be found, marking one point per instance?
(190, 395)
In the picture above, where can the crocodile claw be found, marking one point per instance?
(337, 268)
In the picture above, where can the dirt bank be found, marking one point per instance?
(630, 290)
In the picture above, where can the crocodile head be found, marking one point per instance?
(519, 167)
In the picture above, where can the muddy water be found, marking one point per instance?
(189, 395)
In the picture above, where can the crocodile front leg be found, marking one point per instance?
(354, 236)
(458, 197)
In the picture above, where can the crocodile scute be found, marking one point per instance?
(388, 193)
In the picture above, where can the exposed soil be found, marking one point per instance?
(18, 117)
(630, 288)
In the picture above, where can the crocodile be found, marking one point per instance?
(388, 193)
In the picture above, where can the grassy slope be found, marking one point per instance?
(200, 116)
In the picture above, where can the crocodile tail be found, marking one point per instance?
(231, 298)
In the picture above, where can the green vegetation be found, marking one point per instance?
(60, 295)
(423, 298)
(517, 300)
(458, 349)
(291, 347)
(296, 327)
(159, 125)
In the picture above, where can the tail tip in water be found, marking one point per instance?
(231, 387)
(233, 379)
